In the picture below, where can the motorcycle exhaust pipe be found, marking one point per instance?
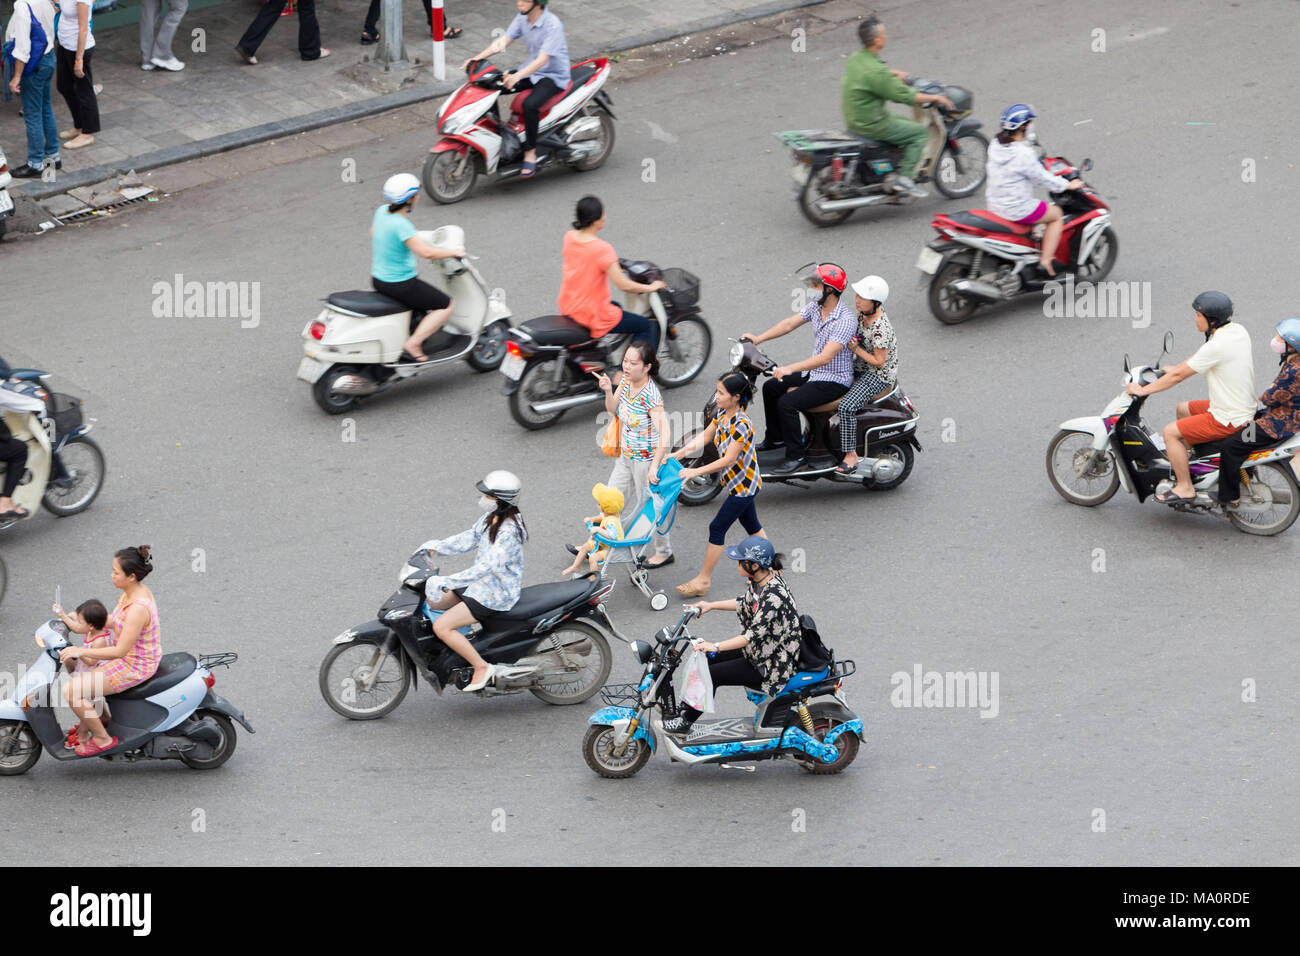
(975, 289)
(835, 205)
(355, 385)
(584, 129)
(561, 404)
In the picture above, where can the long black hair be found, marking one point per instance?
(505, 511)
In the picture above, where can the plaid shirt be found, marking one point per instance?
(840, 326)
(742, 478)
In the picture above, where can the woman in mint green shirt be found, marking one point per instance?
(394, 245)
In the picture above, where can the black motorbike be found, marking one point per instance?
(552, 643)
(550, 359)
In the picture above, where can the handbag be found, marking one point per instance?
(609, 444)
(38, 41)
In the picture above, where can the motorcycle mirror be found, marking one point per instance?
(1168, 344)
(664, 634)
(1086, 165)
(1127, 367)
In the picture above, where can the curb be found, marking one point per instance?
(362, 108)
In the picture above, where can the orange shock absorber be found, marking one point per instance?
(804, 717)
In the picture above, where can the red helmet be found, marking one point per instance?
(832, 275)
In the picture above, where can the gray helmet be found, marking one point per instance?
(1215, 306)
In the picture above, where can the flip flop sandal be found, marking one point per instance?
(16, 513)
(91, 749)
(369, 38)
(71, 742)
(418, 360)
(451, 33)
(1171, 499)
(842, 470)
(528, 171)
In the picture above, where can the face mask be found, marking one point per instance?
(487, 504)
(1277, 345)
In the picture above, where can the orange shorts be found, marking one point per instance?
(1200, 426)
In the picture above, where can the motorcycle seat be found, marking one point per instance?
(172, 669)
(540, 598)
(834, 406)
(556, 330)
(578, 75)
(992, 222)
(1217, 447)
(370, 304)
(804, 679)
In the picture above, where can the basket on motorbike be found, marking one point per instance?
(620, 695)
(683, 289)
(65, 412)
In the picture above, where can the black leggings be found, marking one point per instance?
(416, 294)
(542, 90)
(78, 91)
(1234, 455)
(14, 454)
(782, 405)
(728, 669)
(736, 507)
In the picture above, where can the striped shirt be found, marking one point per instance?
(840, 326)
(742, 478)
(639, 435)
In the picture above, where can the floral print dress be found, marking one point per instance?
(770, 620)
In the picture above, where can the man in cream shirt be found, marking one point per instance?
(1230, 377)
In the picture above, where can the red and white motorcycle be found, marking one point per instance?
(576, 129)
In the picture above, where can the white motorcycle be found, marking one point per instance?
(354, 347)
(1089, 458)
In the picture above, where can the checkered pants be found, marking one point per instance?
(867, 384)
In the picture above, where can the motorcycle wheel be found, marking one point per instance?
(606, 140)
(902, 452)
(697, 491)
(1271, 485)
(815, 189)
(574, 688)
(222, 751)
(449, 176)
(338, 681)
(19, 748)
(1102, 258)
(328, 400)
(958, 177)
(84, 459)
(945, 304)
(490, 350)
(685, 351)
(598, 747)
(536, 384)
(1066, 454)
(846, 743)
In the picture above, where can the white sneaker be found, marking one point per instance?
(172, 64)
(146, 67)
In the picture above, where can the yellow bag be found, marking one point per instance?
(609, 444)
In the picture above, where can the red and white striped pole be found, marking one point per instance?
(439, 56)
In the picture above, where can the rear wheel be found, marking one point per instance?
(816, 189)
(449, 176)
(605, 139)
(345, 671)
(846, 743)
(685, 350)
(1101, 259)
(221, 751)
(946, 305)
(330, 401)
(490, 350)
(590, 669)
(537, 384)
(958, 174)
(19, 748)
(901, 452)
(598, 751)
(1076, 481)
(1271, 503)
(83, 462)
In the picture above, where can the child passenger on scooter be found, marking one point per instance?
(606, 523)
(90, 620)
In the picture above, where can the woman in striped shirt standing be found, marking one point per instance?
(733, 434)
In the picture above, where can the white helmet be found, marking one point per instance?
(501, 485)
(872, 287)
(401, 187)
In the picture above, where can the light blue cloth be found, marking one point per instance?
(497, 574)
(391, 260)
(544, 36)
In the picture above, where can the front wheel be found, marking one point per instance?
(1075, 480)
(490, 349)
(449, 176)
(1271, 503)
(815, 190)
(901, 452)
(330, 401)
(19, 748)
(684, 351)
(347, 684)
(537, 384)
(1101, 259)
(701, 490)
(598, 751)
(946, 304)
(586, 674)
(83, 466)
(605, 141)
(221, 751)
(959, 173)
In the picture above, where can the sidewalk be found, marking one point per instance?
(218, 103)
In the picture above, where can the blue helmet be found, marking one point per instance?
(754, 548)
(1288, 330)
(1016, 116)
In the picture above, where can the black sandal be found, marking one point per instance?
(369, 38)
(451, 33)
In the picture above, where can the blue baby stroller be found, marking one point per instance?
(657, 514)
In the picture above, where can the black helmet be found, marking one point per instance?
(1215, 306)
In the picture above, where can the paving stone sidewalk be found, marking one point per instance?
(217, 102)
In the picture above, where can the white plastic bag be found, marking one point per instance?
(696, 690)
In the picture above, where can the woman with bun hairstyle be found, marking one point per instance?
(733, 434)
(131, 659)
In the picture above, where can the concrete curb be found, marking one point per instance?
(363, 108)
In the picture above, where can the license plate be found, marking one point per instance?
(5, 202)
(310, 370)
(800, 172)
(512, 367)
(928, 261)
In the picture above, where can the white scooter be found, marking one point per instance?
(354, 347)
(174, 715)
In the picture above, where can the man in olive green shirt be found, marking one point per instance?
(868, 83)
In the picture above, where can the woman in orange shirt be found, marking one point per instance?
(590, 264)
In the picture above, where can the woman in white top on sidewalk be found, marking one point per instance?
(73, 77)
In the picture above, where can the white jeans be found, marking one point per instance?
(630, 476)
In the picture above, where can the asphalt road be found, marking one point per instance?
(1119, 691)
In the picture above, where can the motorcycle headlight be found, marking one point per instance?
(406, 572)
(737, 353)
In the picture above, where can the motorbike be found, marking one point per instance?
(837, 172)
(353, 348)
(981, 258)
(1090, 458)
(6, 201)
(576, 128)
(174, 715)
(552, 643)
(887, 439)
(822, 736)
(550, 359)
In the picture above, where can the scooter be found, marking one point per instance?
(552, 643)
(354, 347)
(576, 128)
(887, 439)
(1089, 458)
(6, 201)
(837, 172)
(550, 360)
(981, 258)
(174, 715)
(821, 737)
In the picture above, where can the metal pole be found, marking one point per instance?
(393, 51)
(439, 55)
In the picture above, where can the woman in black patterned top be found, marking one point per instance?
(765, 654)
